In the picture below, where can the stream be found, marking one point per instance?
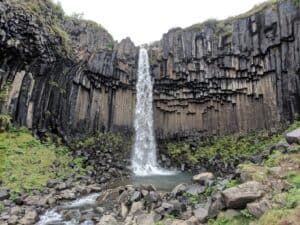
(82, 210)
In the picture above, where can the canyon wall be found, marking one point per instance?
(64, 74)
(69, 76)
(222, 77)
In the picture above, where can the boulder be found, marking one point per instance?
(293, 137)
(124, 210)
(203, 178)
(145, 219)
(195, 189)
(108, 220)
(3, 194)
(179, 189)
(201, 214)
(215, 204)
(238, 197)
(137, 207)
(29, 218)
(136, 196)
(258, 208)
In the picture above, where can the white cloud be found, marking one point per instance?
(145, 21)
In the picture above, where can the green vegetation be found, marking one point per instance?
(5, 122)
(232, 183)
(50, 16)
(116, 143)
(27, 164)
(200, 198)
(228, 147)
(1, 207)
(4, 92)
(244, 218)
(225, 28)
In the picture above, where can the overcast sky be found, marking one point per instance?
(145, 21)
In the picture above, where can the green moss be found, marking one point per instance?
(232, 183)
(4, 92)
(1, 207)
(228, 147)
(274, 159)
(27, 164)
(294, 179)
(254, 172)
(277, 216)
(114, 142)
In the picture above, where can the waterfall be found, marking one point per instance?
(144, 161)
(144, 152)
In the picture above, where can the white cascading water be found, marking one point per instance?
(144, 161)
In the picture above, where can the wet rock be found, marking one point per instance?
(293, 136)
(68, 195)
(179, 190)
(238, 197)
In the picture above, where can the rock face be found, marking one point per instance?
(230, 76)
(70, 82)
(70, 77)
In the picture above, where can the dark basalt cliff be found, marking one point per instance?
(70, 83)
(229, 76)
(69, 76)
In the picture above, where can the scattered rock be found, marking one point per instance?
(179, 190)
(136, 196)
(258, 208)
(201, 214)
(238, 197)
(108, 220)
(3, 194)
(137, 207)
(203, 178)
(29, 218)
(293, 136)
(195, 189)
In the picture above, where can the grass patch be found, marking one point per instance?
(245, 218)
(233, 183)
(27, 164)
